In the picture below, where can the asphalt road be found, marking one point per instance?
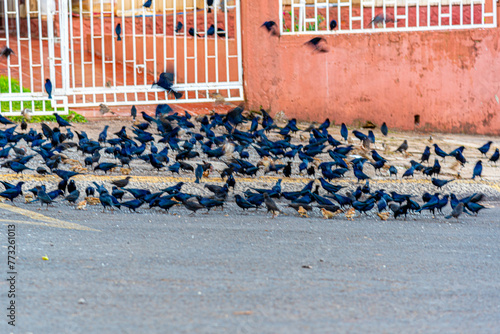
(152, 272)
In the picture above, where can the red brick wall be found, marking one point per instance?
(451, 79)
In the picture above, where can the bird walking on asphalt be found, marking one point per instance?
(271, 205)
(459, 209)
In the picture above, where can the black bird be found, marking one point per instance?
(105, 166)
(122, 182)
(43, 197)
(333, 24)
(439, 151)
(478, 169)
(12, 193)
(6, 52)
(426, 154)
(73, 196)
(178, 27)
(209, 4)
(485, 148)
(384, 129)
(24, 125)
(5, 121)
(271, 205)
(118, 31)
(48, 87)
(133, 112)
(211, 30)
(198, 173)
(147, 4)
(132, 205)
(457, 211)
(440, 183)
(271, 27)
(89, 191)
(117, 193)
(287, 170)
(71, 186)
(344, 132)
(403, 147)
(192, 205)
(317, 44)
(243, 203)
(42, 171)
(495, 156)
(61, 121)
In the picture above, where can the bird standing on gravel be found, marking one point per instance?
(122, 182)
(403, 147)
(478, 169)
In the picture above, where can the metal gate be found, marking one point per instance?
(112, 51)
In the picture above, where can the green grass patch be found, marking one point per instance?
(38, 104)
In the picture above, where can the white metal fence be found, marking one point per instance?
(75, 44)
(368, 16)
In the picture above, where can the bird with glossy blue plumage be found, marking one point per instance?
(485, 148)
(48, 87)
(478, 169)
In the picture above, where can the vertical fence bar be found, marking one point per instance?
(144, 50)
(281, 16)
(185, 46)
(154, 49)
(113, 48)
(206, 47)
(227, 46)
(19, 47)
(195, 46)
(238, 41)
(124, 53)
(134, 48)
(103, 52)
(64, 37)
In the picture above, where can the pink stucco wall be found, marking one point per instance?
(450, 78)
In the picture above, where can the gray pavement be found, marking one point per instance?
(152, 272)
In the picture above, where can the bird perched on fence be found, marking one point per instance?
(379, 18)
(48, 87)
(178, 27)
(211, 30)
(271, 27)
(317, 44)
(118, 31)
(209, 4)
(6, 52)
(147, 4)
(333, 24)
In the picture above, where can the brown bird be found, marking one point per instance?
(104, 109)
(82, 205)
(121, 183)
(327, 214)
(271, 205)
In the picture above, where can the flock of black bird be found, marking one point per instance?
(225, 139)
